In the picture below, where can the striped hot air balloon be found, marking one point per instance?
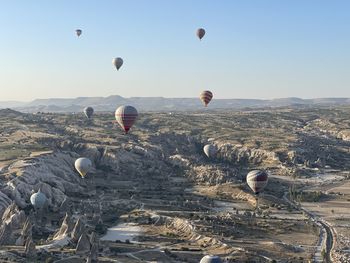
(206, 97)
(126, 116)
(200, 33)
(257, 180)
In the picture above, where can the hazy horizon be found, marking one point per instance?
(194, 97)
(252, 49)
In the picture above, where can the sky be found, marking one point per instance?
(252, 48)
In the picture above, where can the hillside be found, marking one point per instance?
(162, 104)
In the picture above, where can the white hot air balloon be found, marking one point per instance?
(210, 150)
(38, 200)
(83, 165)
(210, 259)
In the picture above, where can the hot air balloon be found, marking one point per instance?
(38, 200)
(200, 33)
(257, 180)
(210, 259)
(88, 111)
(83, 165)
(126, 116)
(209, 150)
(78, 32)
(117, 62)
(206, 97)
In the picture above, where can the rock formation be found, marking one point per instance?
(83, 245)
(25, 233)
(66, 227)
(30, 247)
(94, 248)
(78, 230)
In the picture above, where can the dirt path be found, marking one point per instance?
(326, 238)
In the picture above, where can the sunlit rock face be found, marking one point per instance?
(29, 248)
(65, 229)
(12, 222)
(52, 173)
(244, 155)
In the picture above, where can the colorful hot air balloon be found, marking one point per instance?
(210, 259)
(38, 200)
(257, 180)
(209, 150)
(78, 32)
(200, 33)
(117, 62)
(206, 97)
(83, 165)
(88, 111)
(126, 116)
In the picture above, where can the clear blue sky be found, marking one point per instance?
(252, 49)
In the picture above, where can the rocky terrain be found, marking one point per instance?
(154, 196)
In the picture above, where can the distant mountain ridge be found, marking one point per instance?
(110, 103)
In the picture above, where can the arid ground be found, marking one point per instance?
(154, 196)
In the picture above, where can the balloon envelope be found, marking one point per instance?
(126, 117)
(210, 259)
(257, 180)
(206, 97)
(209, 150)
(117, 62)
(83, 165)
(200, 33)
(38, 200)
(88, 111)
(78, 32)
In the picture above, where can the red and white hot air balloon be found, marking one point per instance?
(200, 33)
(126, 117)
(206, 97)
(257, 180)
